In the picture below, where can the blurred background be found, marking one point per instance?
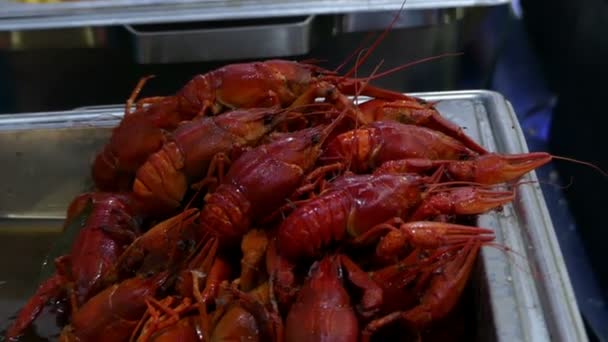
(548, 58)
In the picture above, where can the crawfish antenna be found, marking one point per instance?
(358, 50)
(376, 42)
(416, 62)
(572, 160)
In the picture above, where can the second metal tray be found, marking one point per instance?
(23, 16)
(523, 295)
(250, 40)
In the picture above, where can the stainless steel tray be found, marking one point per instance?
(253, 40)
(21, 16)
(521, 296)
(266, 38)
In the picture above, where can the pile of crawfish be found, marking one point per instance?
(262, 202)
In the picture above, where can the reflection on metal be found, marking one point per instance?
(85, 37)
(376, 21)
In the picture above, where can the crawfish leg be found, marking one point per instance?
(135, 93)
(198, 268)
(438, 122)
(432, 119)
(49, 289)
(148, 101)
(372, 293)
(281, 277)
(376, 232)
(220, 271)
(120, 234)
(253, 246)
(331, 94)
(215, 173)
(314, 184)
(316, 180)
(269, 322)
(412, 165)
(376, 324)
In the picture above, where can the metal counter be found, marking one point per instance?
(521, 295)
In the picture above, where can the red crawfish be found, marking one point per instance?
(114, 313)
(448, 278)
(487, 169)
(245, 85)
(259, 181)
(412, 251)
(410, 148)
(114, 221)
(195, 147)
(417, 112)
(238, 316)
(366, 148)
(169, 241)
(140, 133)
(355, 204)
(323, 310)
(174, 245)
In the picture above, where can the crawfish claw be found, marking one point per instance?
(462, 201)
(431, 234)
(496, 168)
(445, 288)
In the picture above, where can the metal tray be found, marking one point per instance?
(269, 37)
(520, 296)
(22, 16)
(258, 39)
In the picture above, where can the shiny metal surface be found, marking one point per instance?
(254, 40)
(521, 295)
(378, 21)
(19, 16)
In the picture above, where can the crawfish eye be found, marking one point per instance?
(315, 139)
(421, 101)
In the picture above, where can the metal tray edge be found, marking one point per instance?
(556, 292)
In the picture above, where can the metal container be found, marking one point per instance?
(259, 39)
(275, 37)
(523, 295)
(21, 16)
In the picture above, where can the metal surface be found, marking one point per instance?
(250, 40)
(522, 295)
(19, 16)
(378, 21)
